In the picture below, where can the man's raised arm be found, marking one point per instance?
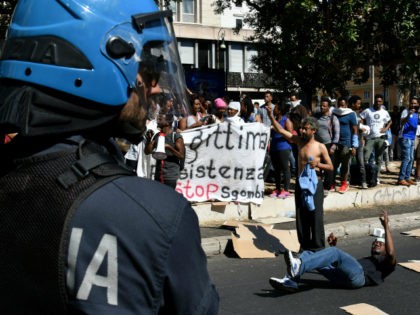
(389, 242)
(277, 127)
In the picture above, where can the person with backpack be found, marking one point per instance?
(394, 150)
(328, 133)
(167, 168)
(81, 233)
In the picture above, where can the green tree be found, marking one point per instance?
(321, 44)
(6, 10)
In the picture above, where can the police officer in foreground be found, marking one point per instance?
(80, 233)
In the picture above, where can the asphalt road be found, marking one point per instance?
(244, 289)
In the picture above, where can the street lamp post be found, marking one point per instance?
(373, 84)
(220, 45)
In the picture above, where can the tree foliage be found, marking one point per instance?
(321, 44)
(6, 10)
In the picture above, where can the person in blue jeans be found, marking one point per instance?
(409, 122)
(339, 267)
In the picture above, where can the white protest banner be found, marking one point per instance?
(224, 162)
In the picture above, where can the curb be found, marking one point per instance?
(381, 195)
(362, 227)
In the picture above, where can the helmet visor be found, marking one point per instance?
(162, 73)
(156, 60)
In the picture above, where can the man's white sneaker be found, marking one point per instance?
(293, 264)
(284, 284)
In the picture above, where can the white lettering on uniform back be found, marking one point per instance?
(107, 249)
(75, 238)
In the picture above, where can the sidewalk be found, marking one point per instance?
(355, 228)
(386, 193)
(342, 212)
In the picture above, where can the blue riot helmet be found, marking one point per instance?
(95, 50)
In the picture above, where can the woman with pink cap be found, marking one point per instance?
(221, 107)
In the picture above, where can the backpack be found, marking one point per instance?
(371, 174)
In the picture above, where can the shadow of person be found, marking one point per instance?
(229, 251)
(264, 240)
(273, 293)
(320, 284)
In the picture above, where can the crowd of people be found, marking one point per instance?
(358, 138)
(319, 149)
(340, 143)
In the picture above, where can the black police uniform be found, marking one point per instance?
(85, 237)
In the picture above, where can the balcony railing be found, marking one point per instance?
(248, 80)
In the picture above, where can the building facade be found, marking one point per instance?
(208, 44)
(392, 94)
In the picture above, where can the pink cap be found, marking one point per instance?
(220, 103)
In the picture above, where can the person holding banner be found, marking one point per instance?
(233, 111)
(313, 158)
(193, 120)
(220, 110)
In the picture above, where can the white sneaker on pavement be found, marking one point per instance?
(284, 284)
(293, 264)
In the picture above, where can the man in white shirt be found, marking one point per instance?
(294, 101)
(379, 121)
